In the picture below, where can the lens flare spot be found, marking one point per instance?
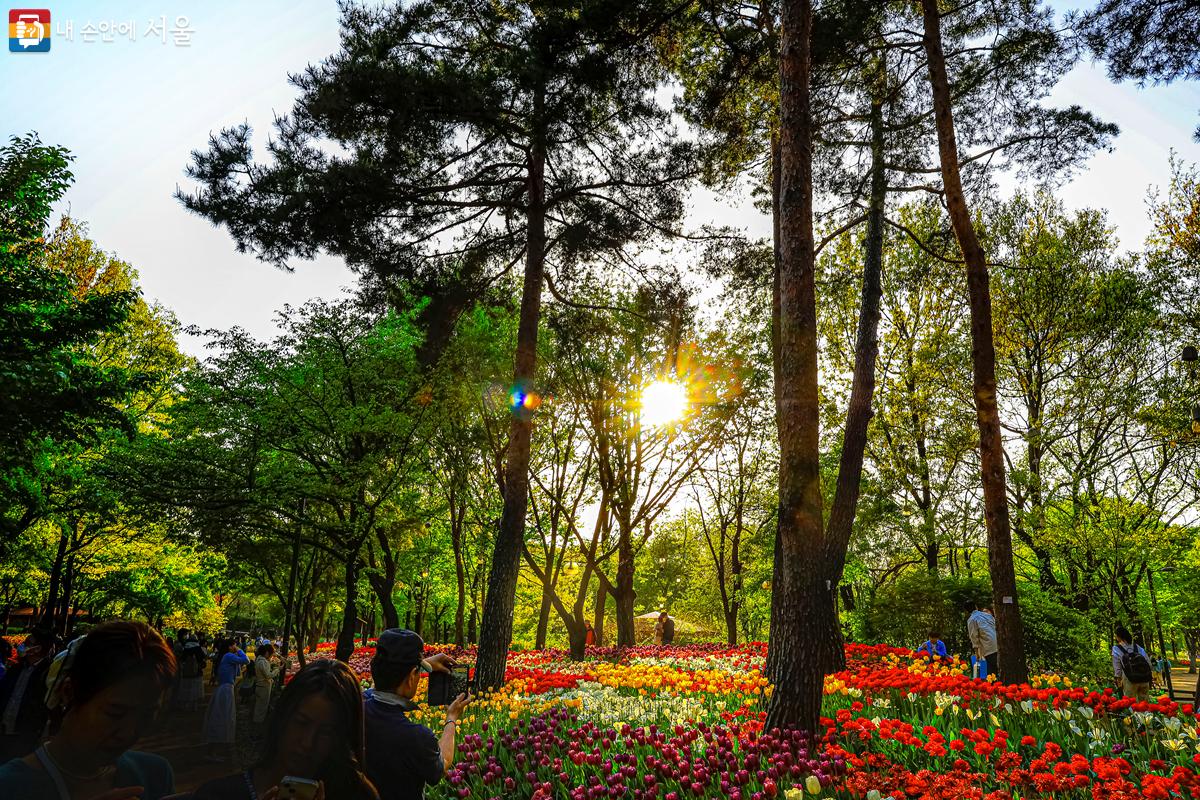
(663, 403)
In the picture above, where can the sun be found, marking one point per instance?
(663, 403)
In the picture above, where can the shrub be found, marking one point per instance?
(1058, 638)
(903, 613)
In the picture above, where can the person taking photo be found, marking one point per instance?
(403, 756)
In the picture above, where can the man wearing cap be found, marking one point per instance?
(403, 756)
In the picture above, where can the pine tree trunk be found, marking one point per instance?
(543, 617)
(771, 666)
(52, 593)
(345, 641)
(625, 595)
(1031, 535)
(419, 616)
(460, 608)
(734, 605)
(862, 387)
(387, 605)
(577, 640)
(598, 616)
(496, 626)
(460, 575)
(66, 623)
(383, 582)
(932, 554)
(801, 595)
(1009, 632)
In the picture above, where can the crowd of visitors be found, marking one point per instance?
(72, 715)
(113, 684)
(23, 712)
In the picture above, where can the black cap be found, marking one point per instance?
(399, 646)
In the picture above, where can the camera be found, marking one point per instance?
(293, 788)
(445, 686)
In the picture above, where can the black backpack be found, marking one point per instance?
(1134, 665)
(191, 663)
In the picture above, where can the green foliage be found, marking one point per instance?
(1173, 249)
(325, 411)
(906, 611)
(53, 393)
(427, 194)
(672, 574)
(153, 578)
(1145, 40)
(922, 436)
(1058, 638)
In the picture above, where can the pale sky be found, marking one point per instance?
(131, 111)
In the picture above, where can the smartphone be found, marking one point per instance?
(293, 788)
(445, 686)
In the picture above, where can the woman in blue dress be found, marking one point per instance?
(220, 721)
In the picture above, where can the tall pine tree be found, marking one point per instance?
(444, 145)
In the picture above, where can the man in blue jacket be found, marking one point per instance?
(933, 647)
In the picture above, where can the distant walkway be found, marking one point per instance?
(1183, 686)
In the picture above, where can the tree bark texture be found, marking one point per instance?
(495, 632)
(983, 357)
(345, 640)
(862, 387)
(804, 610)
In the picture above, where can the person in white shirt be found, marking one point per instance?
(981, 628)
(266, 669)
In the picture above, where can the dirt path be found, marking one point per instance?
(1183, 684)
(178, 739)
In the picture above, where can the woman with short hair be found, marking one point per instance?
(114, 685)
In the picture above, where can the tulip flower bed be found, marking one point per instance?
(687, 722)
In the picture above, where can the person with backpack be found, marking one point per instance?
(1131, 666)
(191, 674)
